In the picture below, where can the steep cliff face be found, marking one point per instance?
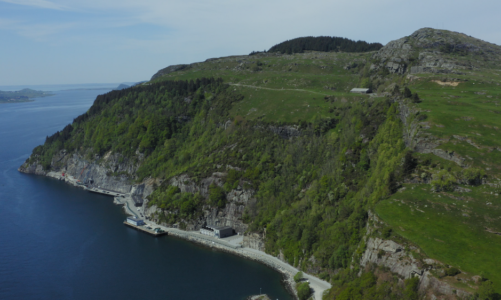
(399, 258)
(418, 140)
(231, 215)
(112, 173)
(98, 173)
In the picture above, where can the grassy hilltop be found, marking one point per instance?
(423, 152)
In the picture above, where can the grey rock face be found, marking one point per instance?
(254, 241)
(423, 142)
(394, 258)
(452, 156)
(97, 173)
(230, 215)
(392, 255)
(424, 51)
(286, 132)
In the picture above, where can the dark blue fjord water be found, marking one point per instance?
(60, 242)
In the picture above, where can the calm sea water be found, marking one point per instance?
(60, 242)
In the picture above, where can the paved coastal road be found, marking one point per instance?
(319, 286)
(233, 244)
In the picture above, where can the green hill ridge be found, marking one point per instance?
(329, 172)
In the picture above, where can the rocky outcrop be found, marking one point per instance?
(116, 173)
(254, 241)
(231, 215)
(112, 172)
(420, 141)
(286, 132)
(428, 50)
(391, 255)
(399, 260)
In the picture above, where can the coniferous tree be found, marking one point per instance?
(407, 92)
(325, 44)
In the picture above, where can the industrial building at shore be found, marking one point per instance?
(219, 232)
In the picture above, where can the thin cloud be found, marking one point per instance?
(37, 3)
(35, 31)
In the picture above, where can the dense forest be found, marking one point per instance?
(325, 44)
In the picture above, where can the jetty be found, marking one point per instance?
(105, 192)
(154, 232)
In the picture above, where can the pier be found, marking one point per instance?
(149, 231)
(105, 192)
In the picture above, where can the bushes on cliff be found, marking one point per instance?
(140, 118)
(298, 277)
(472, 176)
(347, 285)
(217, 197)
(452, 271)
(170, 198)
(303, 290)
(443, 181)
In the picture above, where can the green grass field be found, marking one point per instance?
(284, 88)
(469, 115)
(450, 227)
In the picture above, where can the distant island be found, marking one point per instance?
(24, 95)
(123, 86)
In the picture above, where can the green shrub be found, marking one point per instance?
(298, 276)
(386, 232)
(415, 98)
(411, 287)
(473, 176)
(486, 291)
(407, 92)
(452, 271)
(444, 181)
(217, 196)
(303, 291)
(324, 276)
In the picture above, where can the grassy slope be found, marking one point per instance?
(451, 227)
(287, 88)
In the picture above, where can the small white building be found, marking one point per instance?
(207, 231)
(361, 91)
(135, 221)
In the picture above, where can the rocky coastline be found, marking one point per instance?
(287, 276)
(71, 177)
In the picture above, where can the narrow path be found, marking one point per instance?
(319, 286)
(127, 203)
(265, 88)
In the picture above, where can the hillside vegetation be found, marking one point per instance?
(423, 153)
(324, 43)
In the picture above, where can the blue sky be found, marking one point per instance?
(98, 41)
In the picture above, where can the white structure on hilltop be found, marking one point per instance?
(361, 91)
